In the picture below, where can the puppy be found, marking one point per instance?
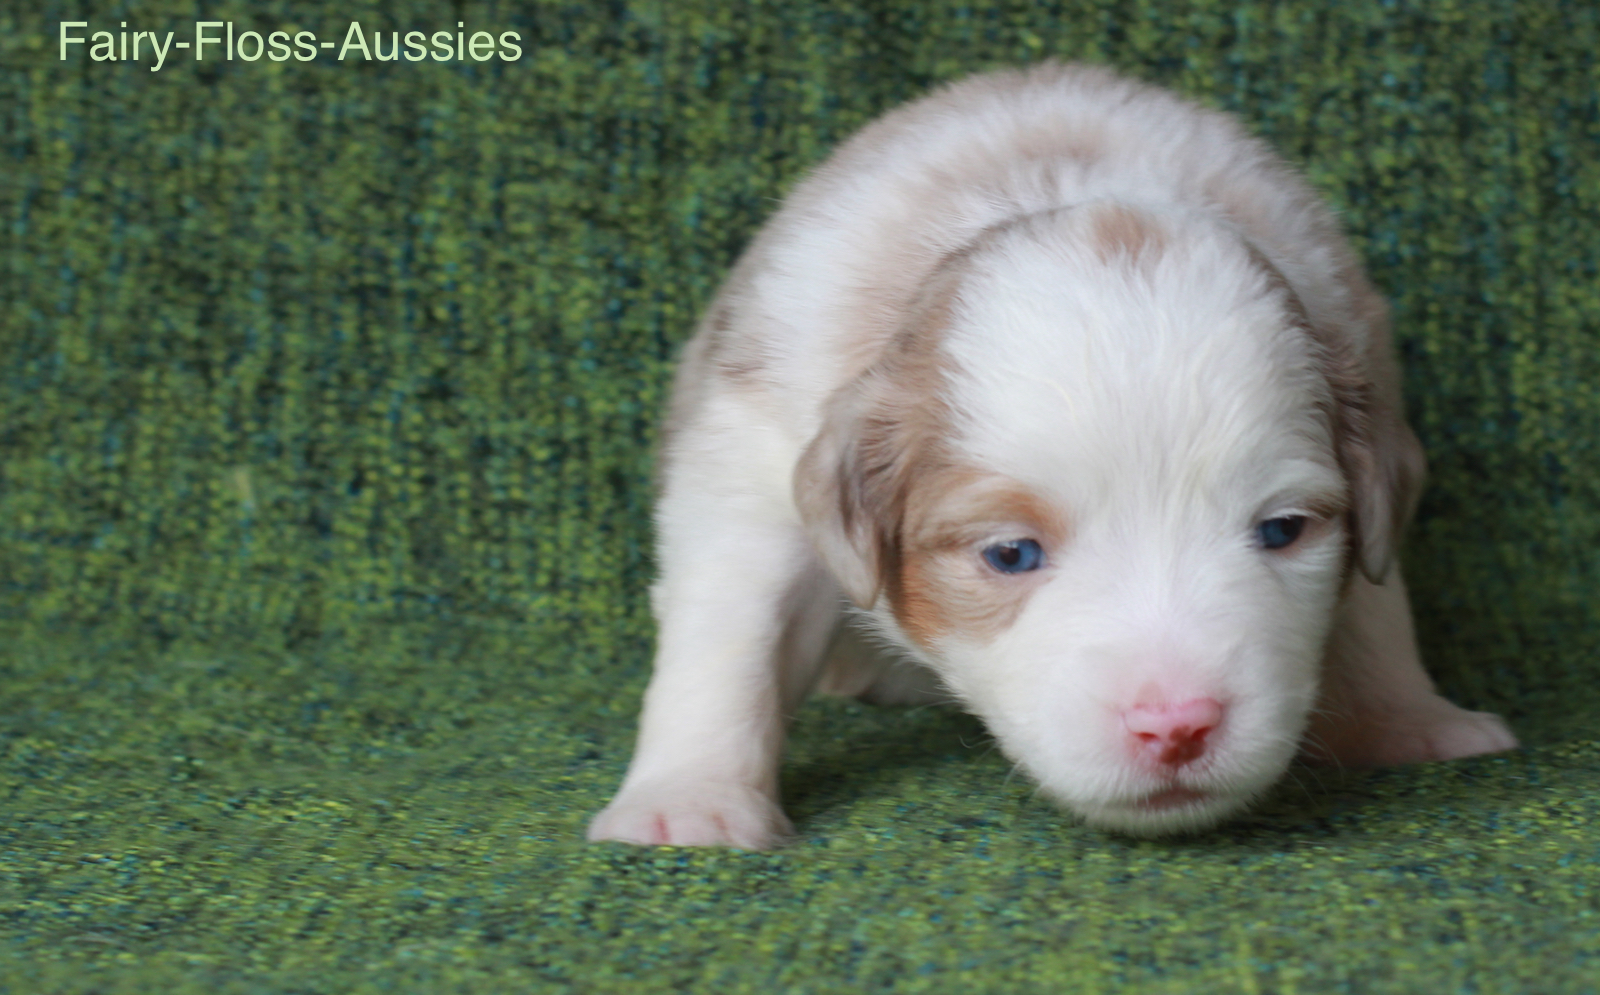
(1077, 393)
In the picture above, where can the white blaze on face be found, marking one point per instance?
(1161, 404)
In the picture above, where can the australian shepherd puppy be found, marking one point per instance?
(1063, 398)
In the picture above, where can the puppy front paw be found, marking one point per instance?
(693, 815)
(1468, 734)
(1442, 731)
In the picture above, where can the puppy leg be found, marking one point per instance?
(854, 667)
(744, 612)
(1378, 706)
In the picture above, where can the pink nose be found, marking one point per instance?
(1173, 734)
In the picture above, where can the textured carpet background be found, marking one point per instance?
(327, 395)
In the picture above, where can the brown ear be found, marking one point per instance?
(850, 488)
(1377, 451)
(1385, 466)
(880, 432)
(1380, 454)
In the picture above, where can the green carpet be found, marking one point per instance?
(327, 397)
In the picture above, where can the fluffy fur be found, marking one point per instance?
(1059, 306)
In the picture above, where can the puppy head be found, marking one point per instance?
(1107, 481)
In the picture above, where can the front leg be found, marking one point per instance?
(1378, 706)
(744, 612)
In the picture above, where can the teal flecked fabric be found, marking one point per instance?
(327, 397)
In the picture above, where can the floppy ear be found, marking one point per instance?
(1377, 451)
(879, 433)
(848, 488)
(1380, 454)
(1386, 466)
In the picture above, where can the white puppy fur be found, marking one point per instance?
(1077, 392)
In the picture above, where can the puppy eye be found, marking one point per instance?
(1276, 533)
(1014, 557)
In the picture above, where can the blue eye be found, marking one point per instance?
(1276, 533)
(1014, 557)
